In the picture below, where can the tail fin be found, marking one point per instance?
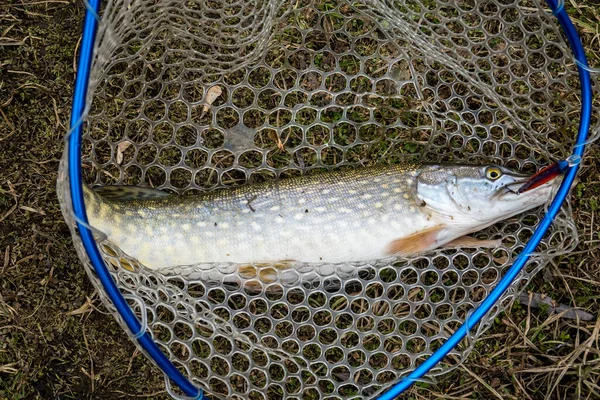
(96, 210)
(92, 201)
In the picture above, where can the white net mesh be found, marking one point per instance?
(312, 85)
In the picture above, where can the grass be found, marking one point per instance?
(56, 339)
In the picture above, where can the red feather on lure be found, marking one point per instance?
(544, 175)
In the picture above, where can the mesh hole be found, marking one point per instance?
(321, 318)
(378, 361)
(201, 349)
(258, 378)
(344, 321)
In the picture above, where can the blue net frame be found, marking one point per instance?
(135, 326)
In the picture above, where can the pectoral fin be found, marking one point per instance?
(415, 243)
(468, 241)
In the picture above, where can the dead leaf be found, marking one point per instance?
(211, 96)
(85, 307)
(501, 260)
(537, 300)
(121, 147)
(47, 279)
(276, 137)
(32, 210)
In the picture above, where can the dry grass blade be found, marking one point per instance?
(9, 368)
(483, 382)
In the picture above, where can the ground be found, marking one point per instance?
(56, 339)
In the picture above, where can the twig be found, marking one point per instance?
(12, 71)
(44, 2)
(12, 209)
(58, 123)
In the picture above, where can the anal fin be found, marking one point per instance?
(416, 243)
(468, 241)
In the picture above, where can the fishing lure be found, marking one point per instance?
(544, 175)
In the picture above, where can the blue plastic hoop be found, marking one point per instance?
(74, 164)
(136, 328)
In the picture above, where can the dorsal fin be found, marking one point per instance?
(121, 193)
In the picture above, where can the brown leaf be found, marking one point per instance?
(6, 259)
(85, 307)
(121, 147)
(501, 260)
(211, 96)
(31, 209)
(276, 137)
(538, 300)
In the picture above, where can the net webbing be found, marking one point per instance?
(218, 93)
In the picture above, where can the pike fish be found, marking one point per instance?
(344, 216)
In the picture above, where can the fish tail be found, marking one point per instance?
(89, 196)
(93, 201)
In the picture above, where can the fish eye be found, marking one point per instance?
(493, 173)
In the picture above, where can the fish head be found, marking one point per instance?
(477, 195)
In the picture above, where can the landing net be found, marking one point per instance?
(189, 96)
